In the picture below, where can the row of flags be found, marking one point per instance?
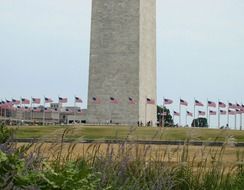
(209, 104)
(211, 112)
(25, 101)
(45, 109)
(114, 100)
(232, 109)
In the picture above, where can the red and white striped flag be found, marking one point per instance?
(189, 114)
(95, 100)
(222, 112)
(231, 112)
(78, 100)
(212, 112)
(232, 106)
(113, 100)
(211, 104)
(167, 101)
(164, 114)
(36, 100)
(222, 105)
(62, 100)
(79, 111)
(25, 101)
(131, 100)
(47, 110)
(183, 102)
(48, 100)
(198, 103)
(15, 102)
(35, 109)
(176, 113)
(201, 113)
(238, 111)
(238, 106)
(150, 101)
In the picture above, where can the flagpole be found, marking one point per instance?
(31, 111)
(235, 121)
(180, 114)
(218, 115)
(43, 119)
(21, 114)
(208, 118)
(236, 117)
(186, 119)
(228, 116)
(164, 113)
(194, 113)
(145, 111)
(241, 121)
(74, 112)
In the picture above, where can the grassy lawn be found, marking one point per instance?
(133, 133)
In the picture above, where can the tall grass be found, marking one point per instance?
(126, 165)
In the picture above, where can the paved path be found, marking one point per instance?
(193, 143)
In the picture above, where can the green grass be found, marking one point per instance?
(134, 133)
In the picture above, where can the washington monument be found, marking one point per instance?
(122, 72)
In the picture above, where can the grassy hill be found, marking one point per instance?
(133, 133)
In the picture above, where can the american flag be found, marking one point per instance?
(8, 102)
(202, 113)
(62, 100)
(198, 103)
(96, 100)
(78, 100)
(47, 110)
(55, 110)
(35, 109)
(15, 102)
(222, 105)
(238, 106)
(79, 111)
(176, 113)
(26, 108)
(167, 101)
(113, 100)
(211, 104)
(189, 114)
(222, 112)
(164, 114)
(183, 102)
(67, 110)
(231, 112)
(232, 106)
(48, 100)
(150, 101)
(212, 112)
(238, 111)
(25, 101)
(131, 100)
(36, 100)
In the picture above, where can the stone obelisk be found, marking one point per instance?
(122, 61)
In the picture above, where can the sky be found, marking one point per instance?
(44, 49)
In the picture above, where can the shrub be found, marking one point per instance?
(5, 133)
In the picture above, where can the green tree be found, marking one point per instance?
(5, 133)
(164, 116)
(200, 122)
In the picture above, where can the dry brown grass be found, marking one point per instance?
(226, 155)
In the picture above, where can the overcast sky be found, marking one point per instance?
(44, 49)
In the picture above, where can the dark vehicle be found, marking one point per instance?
(200, 122)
